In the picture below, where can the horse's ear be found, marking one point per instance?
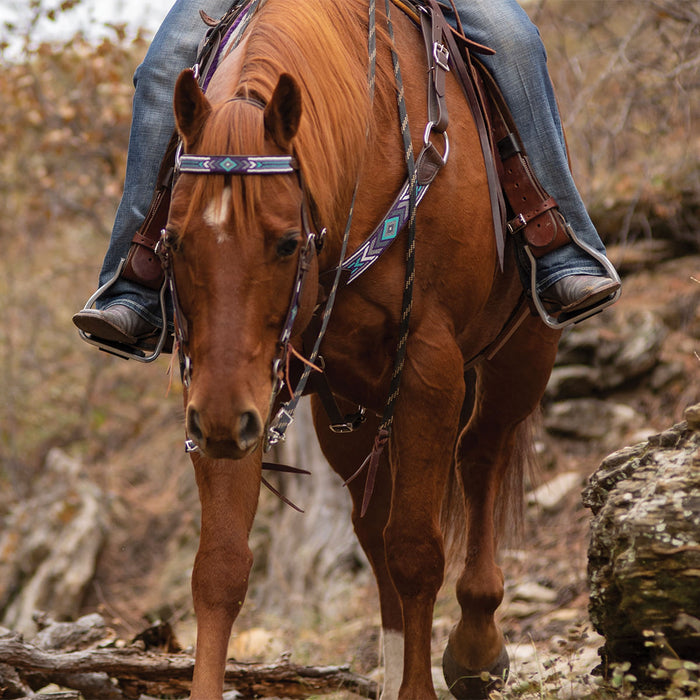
(191, 106)
(283, 112)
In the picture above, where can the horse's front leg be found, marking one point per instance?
(425, 429)
(228, 492)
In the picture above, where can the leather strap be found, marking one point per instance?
(467, 78)
(438, 58)
(142, 264)
(536, 215)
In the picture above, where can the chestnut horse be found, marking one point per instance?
(295, 89)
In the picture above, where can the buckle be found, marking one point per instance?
(351, 423)
(191, 446)
(441, 56)
(516, 224)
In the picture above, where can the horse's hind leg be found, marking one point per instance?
(508, 390)
(346, 453)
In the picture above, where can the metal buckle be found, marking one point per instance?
(441, 56)
(351, 423)
(276, 431)
(191, 446)
(320, 239)
(516, 224)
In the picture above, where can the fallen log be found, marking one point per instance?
(138, 672)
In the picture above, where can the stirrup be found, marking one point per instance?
(563, 320)
(127, 352)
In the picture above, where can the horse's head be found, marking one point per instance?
(236, 240)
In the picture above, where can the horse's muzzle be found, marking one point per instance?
(234, 441)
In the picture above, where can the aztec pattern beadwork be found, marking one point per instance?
(382, 236)
(236, 165)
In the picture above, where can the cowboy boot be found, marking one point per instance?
(578, 292)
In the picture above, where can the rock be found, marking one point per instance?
(71, 636)
(49, 545)
(644, 555)
(665, 374)
(572, 381)
(550, 496)
(692, 416)
(607, 353)
(533, 592)
(592, 419)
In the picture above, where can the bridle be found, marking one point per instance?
(312, 243)
(406, 203)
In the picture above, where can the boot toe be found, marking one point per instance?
(117, 324)
(578, 292)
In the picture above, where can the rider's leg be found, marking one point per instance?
(135, 309)
(519, 66)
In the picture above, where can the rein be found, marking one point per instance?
(285, 415)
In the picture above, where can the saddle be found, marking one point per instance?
(520, 205)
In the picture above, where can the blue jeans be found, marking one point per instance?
(174, 47)
(519, 66)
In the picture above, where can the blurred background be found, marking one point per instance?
(98, 507)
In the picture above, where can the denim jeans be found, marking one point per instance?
(519, 66)
(174, 47)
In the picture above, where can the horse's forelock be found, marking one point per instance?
(323, 44)
(234, 128)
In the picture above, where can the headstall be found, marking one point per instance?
(312, 243)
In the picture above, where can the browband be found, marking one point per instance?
(235, 165)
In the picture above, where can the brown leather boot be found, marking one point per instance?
(116, 324)
(578, 292)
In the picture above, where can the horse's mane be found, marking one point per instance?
(323, 44)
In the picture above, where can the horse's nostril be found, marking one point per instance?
(249, 428)
(194, 428)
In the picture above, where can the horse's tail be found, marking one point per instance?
(510, 503)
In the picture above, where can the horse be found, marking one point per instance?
(295, 90)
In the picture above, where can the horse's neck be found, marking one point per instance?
(223, 82)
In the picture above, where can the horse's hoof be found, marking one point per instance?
(466, 684)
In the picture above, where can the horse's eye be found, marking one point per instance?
(288, 244)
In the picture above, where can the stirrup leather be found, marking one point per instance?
(563, 320)
(127, 352)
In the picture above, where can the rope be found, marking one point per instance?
(407, 301)
(385, 427)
